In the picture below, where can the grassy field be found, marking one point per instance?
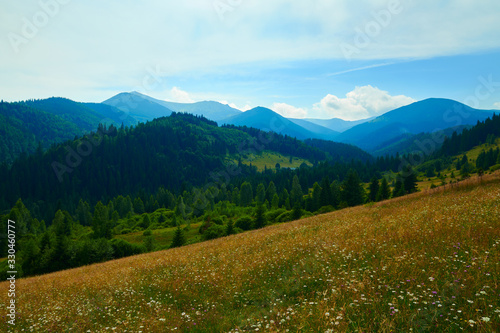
(269, 159)
(428, 262)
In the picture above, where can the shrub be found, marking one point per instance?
(214, 231)
(244, 223)
(122, 248)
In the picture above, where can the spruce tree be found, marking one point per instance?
(259, 221)
(384, 192)
(326, 197)
(374, 188)
(179, 238)
(352, 190)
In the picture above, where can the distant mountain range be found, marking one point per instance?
(394, 131)
(268, 120)
(428, 116)
(144, 108)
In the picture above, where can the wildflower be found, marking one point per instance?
(485, 319)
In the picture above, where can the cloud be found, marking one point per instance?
(289, 111)
(180, 96)
(497, 105)
(234, 106)
(362, 102)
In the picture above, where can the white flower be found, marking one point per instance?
(485, 319)
(431, 278)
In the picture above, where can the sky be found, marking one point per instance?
(302, 58)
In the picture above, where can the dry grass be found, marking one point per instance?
(426, 262)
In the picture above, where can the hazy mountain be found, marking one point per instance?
(315, 128)
(138, 106)
(337, 124)
(84, 115)
(268, 120)
(209, 109)
(425, 116)
(143, 107)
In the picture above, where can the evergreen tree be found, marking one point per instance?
(296, 192)
(146, 221)
(100, 222)
(261, 193)
(410, 180)
(259, 221)
(149, 243)
(326, 197)
(374, 188)
(275, 202)
(316, 196)
(384, 192)
(83, 214)
(271, 191)
(399, 189)
(235, 196)
(352, 190)
(139, 206)
(246, 194)
(179, 238)
(297, 211)
(229, 227)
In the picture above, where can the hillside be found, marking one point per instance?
(268, 120)
(425, 262)
(425, 116)
(23, 127)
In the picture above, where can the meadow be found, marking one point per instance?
(425, 262)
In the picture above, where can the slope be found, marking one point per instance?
(23, 127)
(337, 124)
(425, 116)
(209, 109)
(268, 120)
(426, 262)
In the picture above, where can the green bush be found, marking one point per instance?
(271, 215)
(122, 248)
(147, 233)
(244, 223)
(214, 231)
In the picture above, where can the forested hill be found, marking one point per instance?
(23, 129)
(175, 152)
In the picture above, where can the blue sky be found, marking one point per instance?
(320, 59)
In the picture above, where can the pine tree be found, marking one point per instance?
(326, 197)
(410, 180)
(316, 195)
(246, 194)
(139, 206)
(179, 238)
(352, 190)
(259, 221)
(296, 192)
(229, 227)
(275, 202)
(374, 188)
(297, 211)
(261, 193)
(271, 191)
(384, 192)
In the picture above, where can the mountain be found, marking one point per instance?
(138, 107)
(337, 124)
(429, 115)
(408, 143)
(315, 128)
(84, 115)
(25, 125)
(209, 109)
(268, 120)
(143, 107)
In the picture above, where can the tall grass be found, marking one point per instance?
(423, 263)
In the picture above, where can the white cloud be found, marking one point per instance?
(234, 106)
(362, 102)
(180, 96)
(289, 111)
(497, 105)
